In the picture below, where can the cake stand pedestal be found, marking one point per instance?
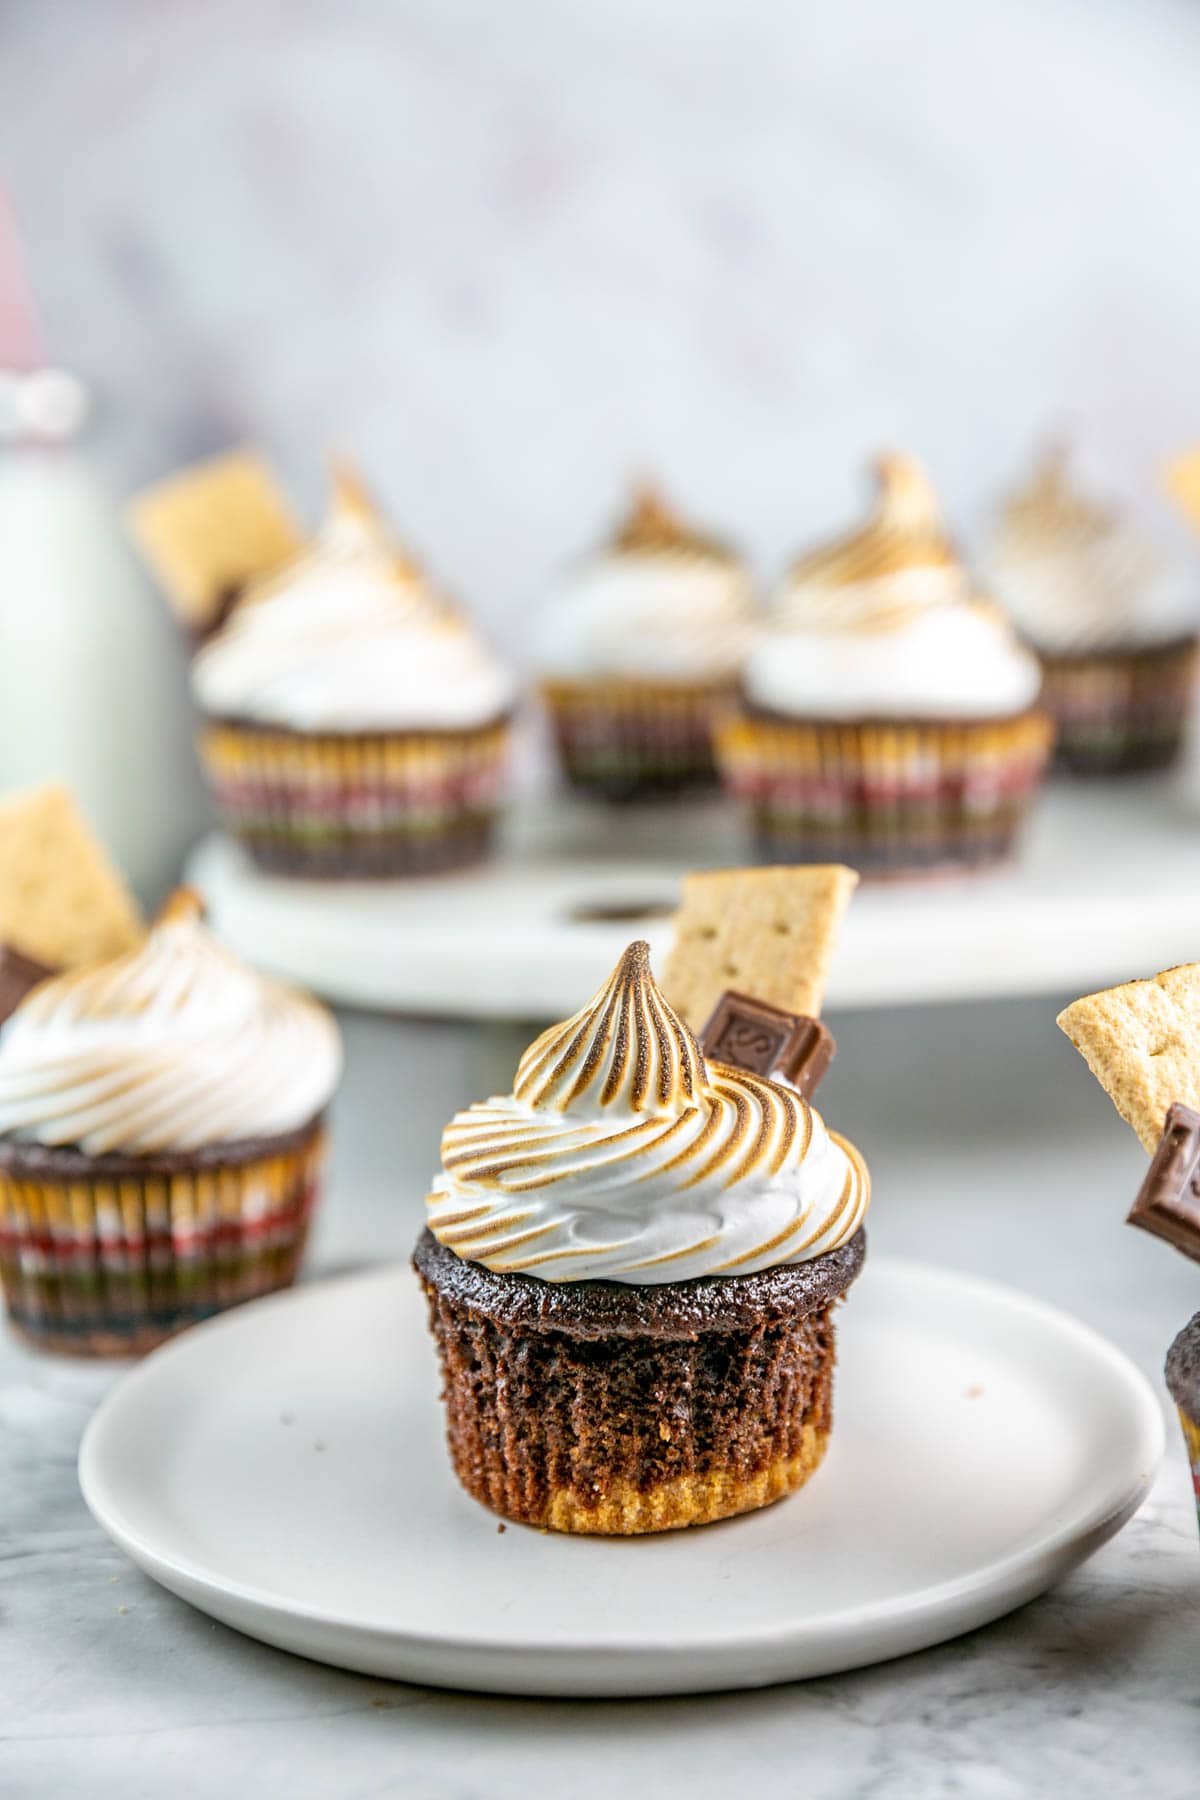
(1107, 886)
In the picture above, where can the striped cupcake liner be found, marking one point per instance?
(1191, 1439)
(109, 1255)
(357, 805)
(887, 797)
(633, 739)
(1124, 712)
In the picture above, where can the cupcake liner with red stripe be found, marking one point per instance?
(109, 1255)
(374, 804)
(887, 796)
(1191, 1439)
(1121, 711)
(627, 739)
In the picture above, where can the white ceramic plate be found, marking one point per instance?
(527, 935)
(283, 1469)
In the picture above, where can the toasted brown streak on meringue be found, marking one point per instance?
(905, 531)
(1050, 506)
(625, 1030)
(623, 1155)
(652, 527)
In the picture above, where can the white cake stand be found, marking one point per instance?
(1107, 887)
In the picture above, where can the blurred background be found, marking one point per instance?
(508, 255)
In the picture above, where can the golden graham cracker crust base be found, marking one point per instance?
(627, 1511)
(609, 1410)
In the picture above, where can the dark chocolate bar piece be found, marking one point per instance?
(1168, 1201)
(766, 1040)
(19, 974)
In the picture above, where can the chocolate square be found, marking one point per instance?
(782, 1046)
(19, 975)
(1168, 1201)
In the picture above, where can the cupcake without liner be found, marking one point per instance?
(631, 1266)
(636, 653)
(352, 722)
(161, 1140)
(888, 716)
(1114, 624)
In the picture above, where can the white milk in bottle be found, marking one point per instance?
(93, 687)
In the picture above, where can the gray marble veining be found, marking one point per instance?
(993, 1150)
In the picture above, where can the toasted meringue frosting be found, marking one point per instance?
(883, 624)
(350, 638)
(622, 1154)
(659, 603)
(1076, 577)
(175, 1045)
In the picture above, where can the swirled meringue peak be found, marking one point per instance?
(659, 602)
(899, 561)
(622, 1154)
(350, 637)
(883, 624)
(1076, 576)
(175, 1045)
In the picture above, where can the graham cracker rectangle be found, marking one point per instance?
(211, 529)
(62, 900)
(1142, 1043)
(766, 932)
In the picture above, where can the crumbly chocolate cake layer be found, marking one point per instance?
(63, 1162)
(670, 1309)
(598, 1407)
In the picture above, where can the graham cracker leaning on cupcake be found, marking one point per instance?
(209, 530)
(768, 932)
(62, 900)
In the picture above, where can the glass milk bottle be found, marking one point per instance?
(93, 684)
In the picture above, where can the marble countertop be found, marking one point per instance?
(992, 1150)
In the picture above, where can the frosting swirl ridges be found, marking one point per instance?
(174, 1046)
(883, 625)
(349, 638)
(622, 1154)
(652, 527)
(627, 1048)
(904, 531)
(660, 602)
(1076, 576)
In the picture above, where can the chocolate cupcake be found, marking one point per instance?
(888, 716)
(161, 1140)
(1115, 625)
(631, 1265)
(352, 723)
(638, 651)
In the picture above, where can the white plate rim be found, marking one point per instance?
(989, 1592)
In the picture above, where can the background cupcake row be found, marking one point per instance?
(879, 711)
